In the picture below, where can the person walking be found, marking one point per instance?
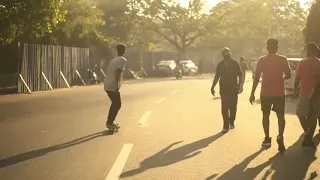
(274, 69)
(230, 78)
(112, 84)
(253, 67)
(307, 77)
(244, 67)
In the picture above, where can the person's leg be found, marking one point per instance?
(225, 111)
(115, 106)
(302, 112)
(307, 142)
(266, 104)
(233, 109)
(279, 108)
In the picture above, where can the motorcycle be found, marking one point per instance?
(92, 77)
(178, 73)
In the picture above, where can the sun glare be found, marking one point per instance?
(211, 3)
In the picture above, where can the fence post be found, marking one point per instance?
(104, 74)
(25, 84)
(80, 77)
(65, 80)
(45, 78)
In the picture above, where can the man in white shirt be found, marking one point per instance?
(112, 84)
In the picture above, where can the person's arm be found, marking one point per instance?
(297, 80)
(286, 69)
(258, 71)
(217, 76)
(120, 71)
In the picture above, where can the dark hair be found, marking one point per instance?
(121, 48)
(318, 54)
(312, 49)
(272, 45)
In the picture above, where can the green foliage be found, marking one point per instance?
(28, 19)
(312, 29)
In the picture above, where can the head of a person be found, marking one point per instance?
(226, 53)
(312, 50)
(121, 49)
(272, 45)
(241, 59)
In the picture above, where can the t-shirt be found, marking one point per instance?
(229, 71)
(272, 67)
(110, 83)
(308, 71)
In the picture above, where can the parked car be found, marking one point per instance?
(189, 68)
(166, 68)
(289, 83)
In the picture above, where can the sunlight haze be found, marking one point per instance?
(211, 3)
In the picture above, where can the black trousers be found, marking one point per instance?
(229, 102)
(115, 105)
(312, 121)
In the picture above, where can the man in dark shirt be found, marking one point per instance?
(229, 76)
(244, 67)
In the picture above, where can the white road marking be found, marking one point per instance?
(144, 117)
(160, 100)
(116, 170)
(175, 91)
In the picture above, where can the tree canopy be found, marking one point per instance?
(312, 29)
(242, 25)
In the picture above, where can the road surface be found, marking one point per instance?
(170, 131)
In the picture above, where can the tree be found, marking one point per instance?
(247, 24)
(81, 25)
(312, 28)
(28, 19)
(178, 25)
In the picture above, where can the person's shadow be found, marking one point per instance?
(295, 163)
(167, 157)
(40, 152)
(240, 171)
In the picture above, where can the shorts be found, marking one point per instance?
(302, 107)
(274, 103)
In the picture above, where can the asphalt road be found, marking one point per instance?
(170, 131)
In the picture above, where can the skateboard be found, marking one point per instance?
(113, 129)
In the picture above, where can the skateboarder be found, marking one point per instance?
(112, 84)
(230, 78)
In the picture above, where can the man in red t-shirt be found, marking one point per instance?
(274, 69)
(307, 76)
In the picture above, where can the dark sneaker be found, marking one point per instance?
(232, 126)
(281, 147)
(225, 130)
(267, 142)
(113, 125)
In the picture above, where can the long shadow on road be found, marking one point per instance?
(167, 157)
(293, 165)
(40, 152)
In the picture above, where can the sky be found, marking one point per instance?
(211, 3)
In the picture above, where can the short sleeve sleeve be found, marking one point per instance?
(299, 69)
(286, 66)
(122, 63)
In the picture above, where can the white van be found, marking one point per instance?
(289, 83)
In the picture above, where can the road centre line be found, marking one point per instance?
(160, 100)
(144, 117)
(117, 168)
(176, 90)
